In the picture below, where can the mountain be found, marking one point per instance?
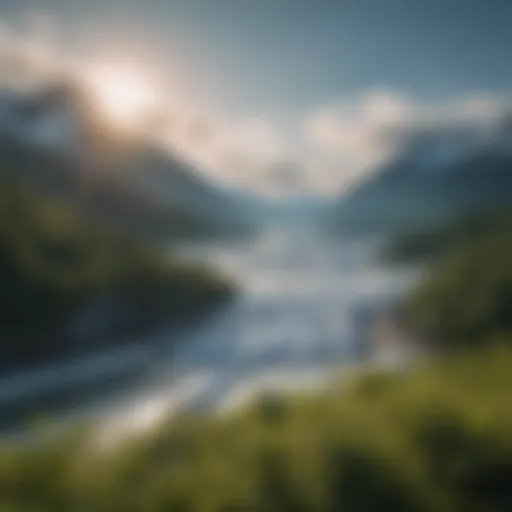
(436, 176)
(70, 287)
(56, 138)
(71, 189)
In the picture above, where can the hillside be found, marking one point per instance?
(421, 187)
(433, 437)
(72, 286)
(56, 139)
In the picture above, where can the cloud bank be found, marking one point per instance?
(327, 148)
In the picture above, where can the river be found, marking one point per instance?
(293, 322)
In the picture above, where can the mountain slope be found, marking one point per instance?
(71, 287)
(431, 181)
(55, 138)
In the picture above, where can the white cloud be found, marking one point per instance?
(242, 152)
(327, 150)
(28, 56)
(355, 136)
(352, 136)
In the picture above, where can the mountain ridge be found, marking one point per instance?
(56, 138)
(419, 187)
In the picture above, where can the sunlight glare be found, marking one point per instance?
(125, 96)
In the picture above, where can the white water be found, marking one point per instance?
(291, 324)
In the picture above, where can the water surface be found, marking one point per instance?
(293, 322)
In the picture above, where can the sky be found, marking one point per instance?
(295, 94)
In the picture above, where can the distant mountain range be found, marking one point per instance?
(435, 176)
(54, 138)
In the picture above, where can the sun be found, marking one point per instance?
(124, 95)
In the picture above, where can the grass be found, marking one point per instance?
(437, 438)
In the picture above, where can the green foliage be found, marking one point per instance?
(437, 439)
(434, 243)
(466, 298)
(54, 261)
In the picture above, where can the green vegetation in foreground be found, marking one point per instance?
(466, 297)
(439, 439)
(53, 262)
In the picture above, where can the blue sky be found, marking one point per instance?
(282, 59)
(281, 54)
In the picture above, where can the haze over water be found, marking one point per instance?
(293, 323)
